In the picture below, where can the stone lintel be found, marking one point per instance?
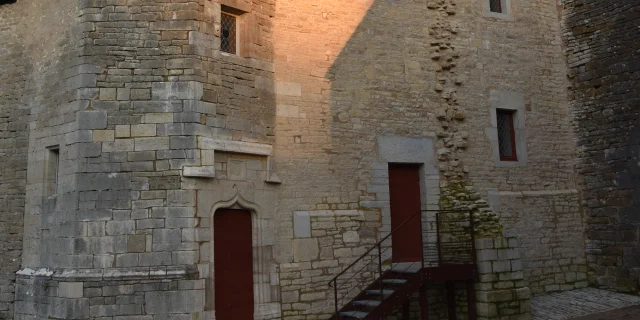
(242, 147)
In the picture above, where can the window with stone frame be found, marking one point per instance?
(229, 33)
(506, 135)
(495, 6)
(497, 9)
(52, 170)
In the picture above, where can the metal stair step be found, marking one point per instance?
(366, 303)
(354, 314)
(406, 267)
(394, 281)
(375, 292)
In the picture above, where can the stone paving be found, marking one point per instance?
(628, 313)
(584, 302)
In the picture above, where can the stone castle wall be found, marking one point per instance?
(36, 83)
(13, 137)
(602, 56)
(140, 138)
(158, 129)
(550, 228)
(434, 71)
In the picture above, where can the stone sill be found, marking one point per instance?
(140, 273)
(199, 172)
(498, 16)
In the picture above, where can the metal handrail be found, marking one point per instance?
(377, 245)
(334, 281)
(374, 246)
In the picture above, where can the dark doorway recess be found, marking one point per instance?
(404, 188)
(233, 264)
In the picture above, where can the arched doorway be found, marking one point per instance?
(233, 265)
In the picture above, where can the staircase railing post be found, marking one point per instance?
(438, 238)
(421, 241)
(473, 237)
(380, 269)
(335, 297)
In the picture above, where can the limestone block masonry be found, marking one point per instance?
(13, 152)
(601, 39)
(124, 129)
(503, 292)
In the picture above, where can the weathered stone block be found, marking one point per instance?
(180, 198)
(183, 142)
(70, 290)
(140, 94)
(158, 117)
(107, 94)
(185, 257)
(157, 143)
(487, 255)
(120, 227)
(91, 119)
(136, 243)
(63, 308)
(305, 249)
(103, 135)
(167, 302)
(177, 90)
(143, 130)
(154, 259)
(127, 260)
(173, 212)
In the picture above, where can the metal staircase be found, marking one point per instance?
(374, 286)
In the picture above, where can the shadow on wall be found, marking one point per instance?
(605, 105)
(13, 152)
(383, 83)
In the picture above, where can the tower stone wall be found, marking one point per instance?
(35, 85)
(602, 56)
(13, 143)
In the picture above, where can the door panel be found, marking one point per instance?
(404, 188)
(233, 265)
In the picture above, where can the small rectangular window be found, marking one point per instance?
(229, 33)
(506, 135)
(495, 6)
(52, 171)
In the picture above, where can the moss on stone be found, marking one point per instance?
(461, 196)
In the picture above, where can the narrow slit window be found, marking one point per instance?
(229, 33)
(495, 6)
(506, 135)
(52, 170)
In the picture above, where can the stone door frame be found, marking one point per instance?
(260, 251)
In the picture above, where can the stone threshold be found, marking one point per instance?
(111, 274)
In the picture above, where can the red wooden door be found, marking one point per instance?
(404, 188)
(233, 265)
